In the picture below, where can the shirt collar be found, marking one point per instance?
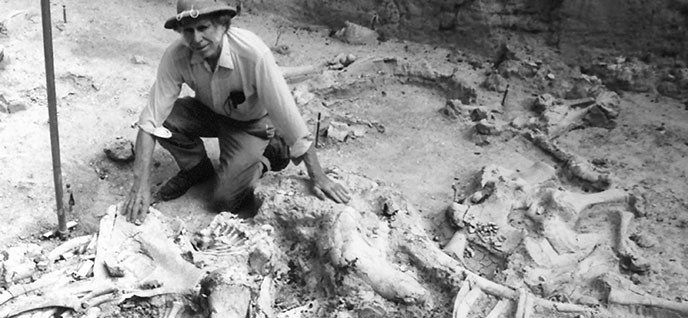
(225, 59)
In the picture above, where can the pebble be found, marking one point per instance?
(643, 240)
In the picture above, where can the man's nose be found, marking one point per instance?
(197, 36)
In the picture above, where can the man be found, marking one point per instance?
(241, 97)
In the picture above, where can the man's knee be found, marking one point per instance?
(244, 204)
(235, 186)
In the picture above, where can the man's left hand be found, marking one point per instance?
(324, 187)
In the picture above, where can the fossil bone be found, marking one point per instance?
(466, 299)
(574, 164)
(347, 248)
(228, 295)
(620, 293)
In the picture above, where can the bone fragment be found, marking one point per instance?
(310, 309)
(537, 173)
(455, 214)
(69, 246)
(577, 166)
(621, 295)
(94, 312)
(70, 225)
(572, 119)
(462, 307)
(220, 286)
(29, 303)
(580, 102)
(460, 295)
(630, 256)
(499, 309)
(456, 245)
(54, 279)
(583, 201)
(47, 313)
(174, 310)
(266, 298)
(84, 270)
(290, 72)
(424, 254)
(525, 304)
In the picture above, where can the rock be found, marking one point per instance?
(579, 90)
(543, 102)
(483, 127)
(600, 116)
(338, 131)
(494, 82)
(16, 106)
(355, 34)
(588, 301)
(455, 213)
(121, 150)
(391, 205)
(479, 113)
(669, 89)
(281, 49)
(639, 279)
(516, 69)
(458, 88)
(137, 59)
(11, 104)
(625, 74)
(452, 109)
(371, 310)
(3, 104)
(643, 240)
(610, 101)
(520, 122)
(259, 260)
(302, 95)
(358, 130)
(342, 60)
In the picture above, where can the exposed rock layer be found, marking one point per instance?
(628, 25)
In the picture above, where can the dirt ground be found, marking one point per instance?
(105, 59)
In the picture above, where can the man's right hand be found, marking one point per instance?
(137, 203)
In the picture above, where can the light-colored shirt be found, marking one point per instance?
(245, 64)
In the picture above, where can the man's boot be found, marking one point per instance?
(185, 179)
(277, 153)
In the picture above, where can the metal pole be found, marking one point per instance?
(52, 115)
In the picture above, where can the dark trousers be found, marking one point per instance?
(241, 149)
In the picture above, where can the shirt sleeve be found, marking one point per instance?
(163, 94)
(274, 92)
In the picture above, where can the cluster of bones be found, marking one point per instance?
(302, 257)
(371, 254)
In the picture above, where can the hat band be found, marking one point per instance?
(191, 13)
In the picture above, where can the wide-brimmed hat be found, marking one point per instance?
(196, 8)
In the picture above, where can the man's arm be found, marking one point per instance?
(323, 186)
(139, 197)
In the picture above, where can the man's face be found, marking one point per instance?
(204, 37)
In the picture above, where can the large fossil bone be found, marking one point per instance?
(228, 295)
(577, 166)
(346, 247)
